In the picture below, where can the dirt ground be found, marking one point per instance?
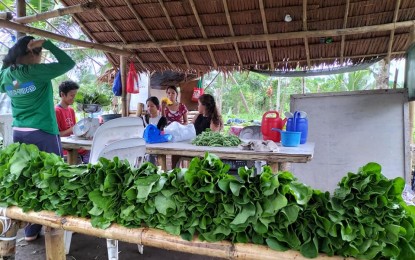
(85, 247)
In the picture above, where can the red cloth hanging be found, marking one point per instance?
(132, 80)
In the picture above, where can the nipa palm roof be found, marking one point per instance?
(204, 35)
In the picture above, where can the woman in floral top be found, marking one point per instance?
(174, 111)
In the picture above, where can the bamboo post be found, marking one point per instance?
(20, 11)
(123, 71)
(55, 244)
(8, 240)
(411, 103)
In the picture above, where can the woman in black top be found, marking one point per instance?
(208, 115)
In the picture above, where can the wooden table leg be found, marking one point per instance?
(162, 161)
(55, 244)
(286, 166)
(72, 156)
(274, 167)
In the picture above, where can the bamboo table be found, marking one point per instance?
(277, 160)
(149, 237)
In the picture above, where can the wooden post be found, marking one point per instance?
(55, 244)
(21, 12)
(8, 245)
(123, 71)
(411, 103)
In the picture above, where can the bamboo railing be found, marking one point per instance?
(153, 237)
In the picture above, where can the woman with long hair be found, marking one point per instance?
(153, 116)
(27, 82)
(209, 116)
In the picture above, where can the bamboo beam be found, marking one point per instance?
(265, 27)
(199, 22)
(176, 35)
(392, 33)
(111, 24)
(343, 42)
(142, 24)
(270, 37)
(228, 18)
(90, 45)
(158, 238)
(6, 15)
(305, 28)
(56, 13)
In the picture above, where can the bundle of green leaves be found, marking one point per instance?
(365, 218)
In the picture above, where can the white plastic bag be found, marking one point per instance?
(180, 132)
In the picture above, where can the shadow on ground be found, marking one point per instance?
(85, 247)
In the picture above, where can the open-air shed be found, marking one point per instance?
(197, 36)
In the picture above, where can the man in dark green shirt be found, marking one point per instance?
(28, 84)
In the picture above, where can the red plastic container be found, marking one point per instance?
(271, 119)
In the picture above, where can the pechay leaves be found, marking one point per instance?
(364, 218)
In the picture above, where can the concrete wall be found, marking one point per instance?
(350, 129)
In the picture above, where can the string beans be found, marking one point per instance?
(209, 138)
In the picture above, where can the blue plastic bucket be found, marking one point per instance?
(289, 138)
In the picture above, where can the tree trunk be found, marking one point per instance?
(382, 75)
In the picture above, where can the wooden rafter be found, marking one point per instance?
(111, 24)
(176, 35)
(271, 37)
(392, 33)
(56, 13)
(305, 28)
(228, 18)
(199, 22)
(91, 45)
(265, 27)
(343, 42)
(57, 30)
(89, 34)
(142, 24)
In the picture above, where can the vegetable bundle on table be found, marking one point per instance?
(210, 138)
(365, 218)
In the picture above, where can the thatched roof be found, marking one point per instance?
(202, 35)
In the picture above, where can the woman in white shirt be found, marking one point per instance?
(153, 116)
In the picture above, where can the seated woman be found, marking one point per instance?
(209, 116)
(153, 116)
